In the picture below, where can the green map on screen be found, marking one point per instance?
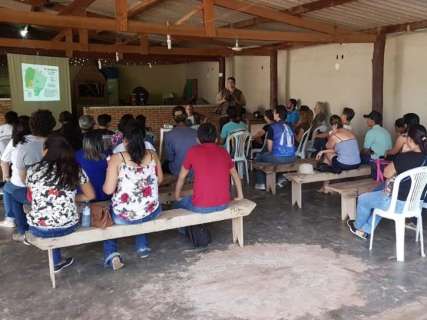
(40, 82)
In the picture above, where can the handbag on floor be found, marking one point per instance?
(199, 235)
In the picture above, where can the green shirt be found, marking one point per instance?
(378, 139)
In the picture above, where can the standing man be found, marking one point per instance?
(377, 139)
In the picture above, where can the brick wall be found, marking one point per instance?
(156, 116)
(5, 106)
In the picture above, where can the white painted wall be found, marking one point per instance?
(207, 75)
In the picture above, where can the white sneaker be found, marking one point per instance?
(7, 223)
(260, 186)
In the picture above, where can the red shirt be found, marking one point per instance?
(211, 166)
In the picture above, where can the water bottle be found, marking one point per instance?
(86, 216)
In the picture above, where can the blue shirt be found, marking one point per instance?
(283, 139)
(292, 117)
(230, 127)
(378, 139)
(177, 142)
(96, 170)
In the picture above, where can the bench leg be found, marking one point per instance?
(51, 268)
(237, 225)
(348, 207)
(296, 194)
(271, 182)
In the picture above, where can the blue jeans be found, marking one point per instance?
(53, 233)
(141, 242)
(187, 203)
(366, 203)
(13, 198)
(270, 158)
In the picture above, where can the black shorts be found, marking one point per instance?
(336, 165)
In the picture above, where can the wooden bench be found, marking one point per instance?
(299, 179)
(171, 219)
(271, 170)
(349, 191)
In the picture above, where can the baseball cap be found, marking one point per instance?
(374, 115)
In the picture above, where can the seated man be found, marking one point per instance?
(377, 139)
(193, 118)
(178, 141)
(292, 114)
(280, 145)
(212, 167)
(233, 125)
(346, 116)
(104, 121)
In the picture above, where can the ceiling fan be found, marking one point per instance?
(238, 48)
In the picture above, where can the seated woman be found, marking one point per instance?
(92, 159)
(52, 189)
(415, 157)
(406, 122)
(304, 123)
(259, 137)
(342, 150)
(132, 178)
(280, 145)
(319, 127)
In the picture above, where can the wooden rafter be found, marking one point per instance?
(122, 15)
(296, 10)
(188, 15)
(76, 7)
(91, 23)
(141, 6)
(276, 15)
(209, 17)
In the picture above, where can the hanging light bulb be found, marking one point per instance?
(24, 32)
(150, 65)
(99, 64)
(117, 57)
(169, 41)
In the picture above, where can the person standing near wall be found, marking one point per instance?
(230, 96)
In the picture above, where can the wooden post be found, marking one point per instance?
(273, 79)
(221, 76)
(378, 73)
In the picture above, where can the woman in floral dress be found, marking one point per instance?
(52, 189)
(132, 178)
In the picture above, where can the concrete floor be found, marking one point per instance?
(297, 264)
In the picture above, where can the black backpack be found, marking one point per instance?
(199, 235)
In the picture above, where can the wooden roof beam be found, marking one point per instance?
(283, 17)
(188, 15)
(76, 7)
(122, 15)
(297, 10)
(209, 17)
(91, 23)
(141, 6)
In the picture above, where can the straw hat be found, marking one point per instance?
(306, 168)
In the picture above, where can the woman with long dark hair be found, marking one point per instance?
(52, 189)
(132, 178)
(415, 156)
(12, 178)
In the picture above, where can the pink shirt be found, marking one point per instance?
(211, 166)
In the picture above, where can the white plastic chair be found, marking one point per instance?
(302, 147)
(238, 145)
(255, 151)
(412, 209)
